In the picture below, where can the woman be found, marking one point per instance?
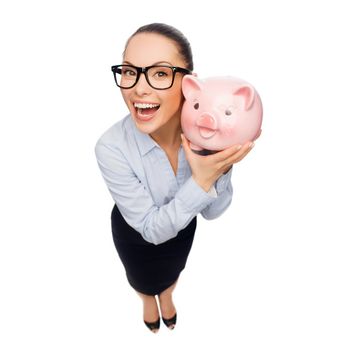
(158, 184)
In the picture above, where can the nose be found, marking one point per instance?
(142, 87)
(206, 120)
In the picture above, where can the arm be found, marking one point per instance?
(214, 171)
(224, 191)
(155, 224)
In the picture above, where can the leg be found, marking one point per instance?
(150, 308)
(167, 307)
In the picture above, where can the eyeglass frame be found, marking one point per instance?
(144, 70)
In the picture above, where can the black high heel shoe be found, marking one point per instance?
(153, 325)
(170, 322)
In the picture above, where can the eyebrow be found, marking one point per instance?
(127, 62)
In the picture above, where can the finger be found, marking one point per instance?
(238, 156)
(236, 150)
(224, 154)
(242, 156)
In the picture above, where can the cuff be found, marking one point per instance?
(212, 192)
(222, 182)
(193, 196)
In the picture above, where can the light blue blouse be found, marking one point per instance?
(152, 199)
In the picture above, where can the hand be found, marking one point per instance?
(255, 138)
(207, 169)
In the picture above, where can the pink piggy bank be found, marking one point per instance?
(219, 112)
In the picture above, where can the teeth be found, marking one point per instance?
(145, 105)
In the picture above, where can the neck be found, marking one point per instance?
(168, 136)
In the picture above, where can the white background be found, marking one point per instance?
(271, 273)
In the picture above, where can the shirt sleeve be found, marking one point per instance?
(155, 224)
(223, 200)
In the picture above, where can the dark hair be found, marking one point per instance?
(172, 34)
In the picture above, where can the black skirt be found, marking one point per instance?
(150, 269)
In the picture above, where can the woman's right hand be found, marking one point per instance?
(207, 169)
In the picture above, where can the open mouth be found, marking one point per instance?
(145, 111)
(206, 132)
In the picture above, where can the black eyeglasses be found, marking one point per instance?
(159, 77)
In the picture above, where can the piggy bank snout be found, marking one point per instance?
(206, 120)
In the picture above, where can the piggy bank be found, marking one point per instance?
(219, 112)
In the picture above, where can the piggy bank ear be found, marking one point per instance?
(246, 94)
(191, 86)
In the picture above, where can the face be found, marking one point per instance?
(147, 49)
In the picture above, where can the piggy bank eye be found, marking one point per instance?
(230, 110)
(196, 105)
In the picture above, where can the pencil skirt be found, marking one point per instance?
(150, 268)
